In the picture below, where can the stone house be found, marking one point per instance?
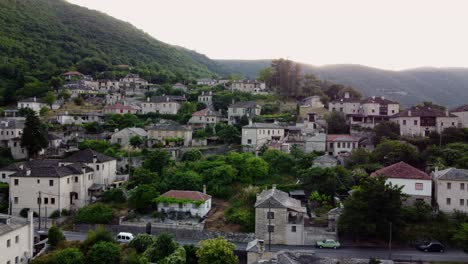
(206, 98)
(180, 86)
(113, 98)
(119, 108)
(451, 189)
(204, 117)
(255, 135)
(197, 203)
(280, 217)
(10, 128)
(317, 142)
(166, 104)
(325, 161)
(72, 74)
(34, 104)
(346, 105)
(17, 239)
(123, 136)
(462, 113)
(207, 82)
(341, 144)
(164, 133)
(106, 85)
(79, 118)
(237, 110)
(133, 80)
(248, 86)
(312, 101)
(421, 120)
(416, 183)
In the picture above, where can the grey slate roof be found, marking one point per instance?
(15, 223)
(325, 159)
(247, 104)
(53, 171)
(168, 127)
(454, 174)
(168, 98)
(31, 164)
(12, 124)
(463, 108)
(86, 156)
(278, 199)
(264, 125)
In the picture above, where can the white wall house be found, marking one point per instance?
(164, 132)
(10, 128)
(255, 135)
(416, 183)
(16, 239)
(462, 113)
(204, 117)
(133, 80)
(79, 118)
(248, 86)
(237, 110)
(206, 98)
(200, 206)
(119, 108)
(206, 81)
(421, 120)
(451, 189)
(123, 136)
(341, 144)
(162, 104)
(33, 103)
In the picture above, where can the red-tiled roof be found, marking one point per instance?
(424, 111)
(463, 108)
(73, 73)
(119, 106)
(402, 170)
(206, 112)
(331, 138)
(192, 195)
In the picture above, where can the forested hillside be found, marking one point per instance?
(43, 38)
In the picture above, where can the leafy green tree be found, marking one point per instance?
(163, 247)
(371, 208)
(69, 256)
(136, 141)
(104, 253)
(336, 123)
(158, 160)
(97, 213)
(114, 195)
(92, 65)
(388, 130)
(140, 198)
(278, 161)
(44, 111)
(191, 254)
(192, 155)
(220, 179)
(141, 242)
(56, 82)
(228, 134)
(95, 236)
(65, 94)
(34, 137)
(78, 101)
(143, 176)
(461, 236)
(185, 180)
(392, 151)
(55, 236)
(266, 76)
(177, 257)
(216, 251)
(50, 98)
(327, 181)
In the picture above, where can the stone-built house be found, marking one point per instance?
(248, 86)
(280, 217)
(422, 120)
(34, 104)
(133, 80)
(451, 189)
(341, 144)
(180, 86)
(17, 239)
(462, 113)
(106, 85)
(123, 136)
(206, 98)
(416, 183)
(10, 128)
(120, 108)
(204, 117)
(168, 133)
(207, 82)
(79, 118)
(113, 98)
(312, 101)
(237, 110)
(346, 105)
(166, 104)
(197, 203)
(325, 161)
(255, 135)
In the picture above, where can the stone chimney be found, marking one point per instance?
(28, 172)
(447, 113)
(167, 98)
(250, 122)
(21, 167)
(261, 246)
(94, 158)
(147, 99)
(83, 170)
(346, 95)
(383, 97)
(34, 99)
(373, 97)
(409, 112)
(204, 188)
(273, 187)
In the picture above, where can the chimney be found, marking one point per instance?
(94, 158)
(28, 172)
(409, 112)
(261, 246)
(204, 188)
(250, 122)
(167, 98)
(83, 170)
(21, 167)
(147, 99)
(446, 112)
(34, 99)
(116, 130)
(346, 95)
(273, 187)
(383, 97)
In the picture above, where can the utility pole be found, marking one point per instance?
(269, 225)
(39, 200)
(45, 223)
(390, 243)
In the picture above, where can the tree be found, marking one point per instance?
(104, 253)
(55, 236)
(185, 180)
(336, 123)
(141, 242)
(44, 111)
(161, 248)
(191, 254)
(140, 198)
(34, 137)
(142, 176)
(266, 76)
(392, 151)
(461, 236)
(96, 236)
(216, 251)
(56, 82)
(69, 256)
(136, 141)
(388, 130)
(177, 257)
(192, 155)
(65, 94)
(158, 160)
(328, 181)
(97, 213)
(50, 98)
(279, 162)
(92, 65)
(371, 208)
(228, 134)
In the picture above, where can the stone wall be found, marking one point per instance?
(178, 233)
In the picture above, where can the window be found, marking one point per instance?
(418, 186)
(16, 260)
(270, 215)
(415, 122)
(52, 200)
(46, 200)
(181, 205)
(3, 175)
(462, 186)
(293, 229)
(373, 111)
(331, 145)
(404, 122)
(249, 141)
(38, 181)
(15, 200)
(97, 167)
(442, 124)
(338, 145)
(16, 181)
(76, 179)
(68, 180)
(449, 185)
(16, 239)
(38, 200)
(8, 243)
(462, 202)
(271, 228)
(51, 182)
(448, 201)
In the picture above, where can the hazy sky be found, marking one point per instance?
(391, 34)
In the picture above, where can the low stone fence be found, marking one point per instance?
(178, 233)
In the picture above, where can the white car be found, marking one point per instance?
(124, 237)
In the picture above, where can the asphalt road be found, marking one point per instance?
(407, 254)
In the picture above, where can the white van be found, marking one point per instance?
(124, 237)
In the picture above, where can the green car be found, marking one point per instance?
(328, 243)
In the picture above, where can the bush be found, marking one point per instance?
(115, 195)
(55, 214)
(104, 253)
(97, 213)
(159, 215)
(98, 235)
(65, 212)
(24, 213)
(69, 256)
(142, 242)
(55, 236)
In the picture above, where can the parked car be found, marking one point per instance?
(124, 237)
(328, 243)
(432, 246)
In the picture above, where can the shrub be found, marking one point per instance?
(159, 215)
(95, 214)
(24, 213)
(69, 256)
(98, 235)
(55, 236)
(115, 195)
(65, 212)
(142, 242)
(104, 253)
(55, 214)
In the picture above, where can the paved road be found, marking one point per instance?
(406, 254)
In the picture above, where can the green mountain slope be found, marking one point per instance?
(43, 38)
